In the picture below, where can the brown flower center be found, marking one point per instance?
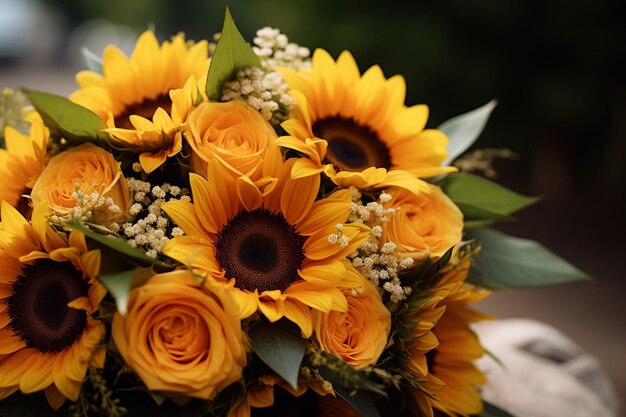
(261, 250)
(38, 305)
(144, 109)
(351, 146)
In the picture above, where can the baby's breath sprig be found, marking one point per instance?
(377, 262)
(150, 228)
(87, 205)
(275, 50)
(264, 91)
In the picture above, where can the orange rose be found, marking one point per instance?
(427, 224)
(181, 338)
(359, 335)
(235, 132)
(88, 169)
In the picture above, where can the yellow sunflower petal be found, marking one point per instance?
(184, 215)
(318, 297)
(299, 314)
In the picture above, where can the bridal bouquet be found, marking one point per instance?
(222, 229)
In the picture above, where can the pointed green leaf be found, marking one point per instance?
(64, 118)
(117, 244)
(483, 200)
(93, 61)
(361, 401)
(231, 54)
(493, 411)
(510, 262)
(463, 130)
(119, 285)
(281, 346)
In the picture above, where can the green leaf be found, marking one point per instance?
(463, 130)
(361, 401)
(231, 54)
(510, 262)
(493, 411)
(119, 245)
(120, 283)
(482, 200)
(93, 61)
(75, 123)
(281, 346)
(342, 375)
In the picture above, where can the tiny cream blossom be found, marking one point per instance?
(275, 50)
(266, 92)
(150, 230)
(375, 260)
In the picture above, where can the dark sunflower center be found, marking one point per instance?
(38, 305)
(144, 109)
(260, 250)
(351, 146)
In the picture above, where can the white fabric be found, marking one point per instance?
(543, 373)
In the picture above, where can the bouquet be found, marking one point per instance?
(219, 229)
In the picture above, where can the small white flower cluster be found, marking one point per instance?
(338, 238)
(379, 263)
(150, 232)
(275, 50)
(87, 205)
(264, 91)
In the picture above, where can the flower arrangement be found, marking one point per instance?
(219, 229)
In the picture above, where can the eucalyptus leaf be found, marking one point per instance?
(361, 401)
(463, 130)
(231, 54)
(509, 262)
(119, 245)
(64, 118)
(483, 200)
(493, 411)
(93, 61)
(281, 347)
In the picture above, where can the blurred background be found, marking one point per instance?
(557, 68)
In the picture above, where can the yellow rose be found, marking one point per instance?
(235, 132)
(359, 335)
(180, 337)
(427, 224)
(89, 169)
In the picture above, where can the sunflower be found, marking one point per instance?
(268, 242)
(443, 357)
(23, 160)
(134, 95)
(357, 129)
(48, 294)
